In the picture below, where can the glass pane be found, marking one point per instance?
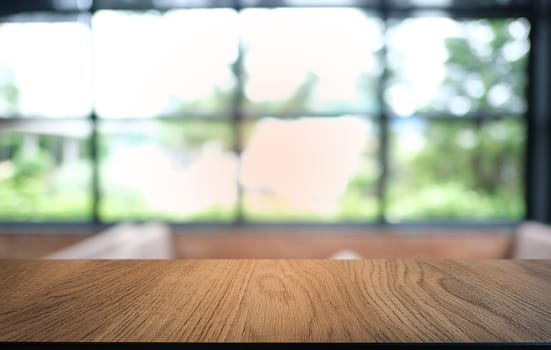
(306, 3)
(457, 67)
(45, 70)
(150, 64)
(172, 171)
(311, 60)
(124, 4)
(41, 6)
(456, 170)
(462, 4)
(310, 169)
(44, 174)
(162, 4)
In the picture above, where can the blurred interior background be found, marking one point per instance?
(277, 128)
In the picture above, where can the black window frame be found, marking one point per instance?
(536, 172)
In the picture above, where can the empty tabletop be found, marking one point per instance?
(275, 301)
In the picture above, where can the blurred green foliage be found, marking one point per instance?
(467, 169)
(497, 63)
(33, 188)
(461, 169)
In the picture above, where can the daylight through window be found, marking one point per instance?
(252, 113)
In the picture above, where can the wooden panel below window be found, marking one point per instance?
(297, 243)
(313, 244)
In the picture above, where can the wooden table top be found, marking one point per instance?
(275, 300)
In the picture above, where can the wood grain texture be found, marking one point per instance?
(276, 300)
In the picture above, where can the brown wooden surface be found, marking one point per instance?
(29, 246)
(299, 243)
(311, 244)
(276, 300)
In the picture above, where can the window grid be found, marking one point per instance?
(384, 11)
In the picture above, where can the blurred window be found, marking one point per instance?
(311, 60)
(456, 101)
(168, 170)
(151, 64)
(310, 169)
(263, 110)
(45, 69)
(45, 174)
